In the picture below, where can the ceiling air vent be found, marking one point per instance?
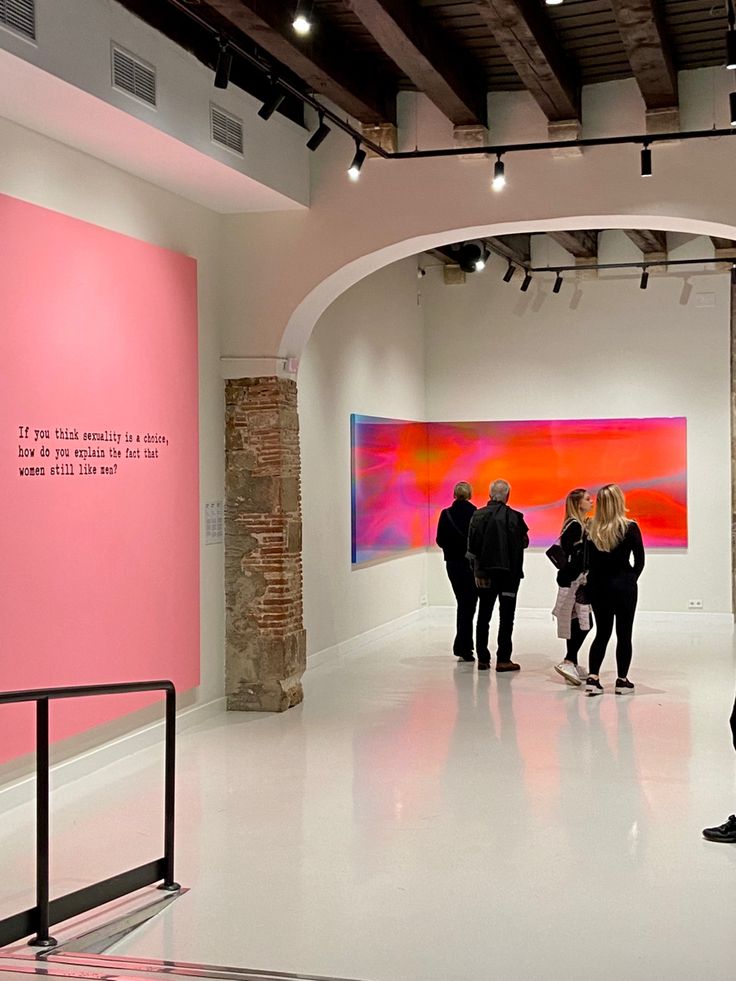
(226, 130)
(131, 75)
(19, 16)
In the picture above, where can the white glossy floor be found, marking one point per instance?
(417, 821)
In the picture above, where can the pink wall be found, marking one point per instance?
(99, 571)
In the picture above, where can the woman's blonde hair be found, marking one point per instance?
(609, 522)
(572, 506)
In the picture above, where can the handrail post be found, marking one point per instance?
(42, 938)
(170, 796)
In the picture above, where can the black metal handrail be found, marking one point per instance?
(47, 912)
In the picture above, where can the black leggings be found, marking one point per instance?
(577, 636)
(614, 601)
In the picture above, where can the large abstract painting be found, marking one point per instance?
(403, 474)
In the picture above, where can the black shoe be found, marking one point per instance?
(484, 665)
(593, 686)
(624, 686)
(724, 832)
(464, 657)
(507, 666)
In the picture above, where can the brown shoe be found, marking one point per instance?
(507, 666)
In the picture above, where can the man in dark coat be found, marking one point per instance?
(452, 538)
(497, 538)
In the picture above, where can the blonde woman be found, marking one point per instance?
(616, 560)
(573, 621)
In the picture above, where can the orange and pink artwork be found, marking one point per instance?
(403, 474)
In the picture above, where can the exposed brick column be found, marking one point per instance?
(265, 638)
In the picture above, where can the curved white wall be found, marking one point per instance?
(366, 355)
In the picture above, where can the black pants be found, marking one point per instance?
(463, 586)
(577, 636)
(733, 725)
(505, 591)
(613, 602)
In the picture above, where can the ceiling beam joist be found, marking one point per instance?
(648, 241)
(583, 245)
(527, 40)
(514, 248)
(447, 75)
(722, 244)
(322, 62)
(649, 52)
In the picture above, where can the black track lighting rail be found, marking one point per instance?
(641, 139)
(641, 264)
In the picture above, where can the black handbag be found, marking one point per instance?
(556, 554)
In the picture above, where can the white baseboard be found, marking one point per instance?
(23, 791)
(700, 619)
(368, 637)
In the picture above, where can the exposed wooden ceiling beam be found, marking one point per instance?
(649, 51)
(527, 40)
(515, 248)
(648, 241)
(723, 244)
(322, 61)
(447, 75)
(583, 245)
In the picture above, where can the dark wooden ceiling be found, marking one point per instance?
(362, 52)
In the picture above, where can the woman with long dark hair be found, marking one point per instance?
(616, 560)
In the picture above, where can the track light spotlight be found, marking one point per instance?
(508, 275)
(302, 25)
(222, 67)
(472, 256)
(272, 101)
(731, 49)
(527, 282)
(319, 135)
(558, 283)
(357, 162)
(732, 101)
(644, 281)
(499, 177)
(553, 3)
(646, 161)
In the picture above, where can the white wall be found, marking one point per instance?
(49, 174)
(600, 349)
(71, 98)
(366, 355)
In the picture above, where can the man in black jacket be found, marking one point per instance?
(452, 538)
(497, 538)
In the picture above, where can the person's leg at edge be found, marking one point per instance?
(625, 610)
(486, 602)
(506, 613)
(463, 586)
(725, 832)
(603, 613)
(575, 641)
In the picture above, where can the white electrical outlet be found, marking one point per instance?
(695, 604)
(422, 600)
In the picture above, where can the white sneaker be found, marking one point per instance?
(569, 672)
(582, 673)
